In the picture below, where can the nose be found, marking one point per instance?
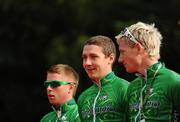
(87, 62)
(120, 60)
(49, 88)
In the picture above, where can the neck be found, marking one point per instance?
(68, 97)
(146, 64)
(98, 80)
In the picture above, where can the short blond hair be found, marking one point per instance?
(148, 36)
(66, 70)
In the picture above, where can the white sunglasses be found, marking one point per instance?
(126, 33)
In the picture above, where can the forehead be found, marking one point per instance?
(62, 76)
(123, 43)
(92, 49)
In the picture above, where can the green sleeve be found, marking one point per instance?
(175, 92)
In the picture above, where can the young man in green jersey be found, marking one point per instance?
(104, 101)
(61, 85)
(155, 94)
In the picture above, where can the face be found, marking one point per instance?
(60, 94)
(128, 56)
(95, 63)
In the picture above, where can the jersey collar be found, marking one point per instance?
(152, 69)
(107, 78)
(63, 108)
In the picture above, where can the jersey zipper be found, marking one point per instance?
(95, 100)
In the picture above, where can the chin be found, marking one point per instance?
(130, 71)
(52, 102)
(94, 78)
(91, 76)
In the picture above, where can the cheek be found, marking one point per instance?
(60, 95)
(60, 91)
(133, 62)
(130, 59)
(83, 65)
(64, 88)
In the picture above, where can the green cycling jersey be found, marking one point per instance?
(155, 97)
(105, 102)
(65, 113)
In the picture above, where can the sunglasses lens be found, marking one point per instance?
(52, 84)
(46, 84)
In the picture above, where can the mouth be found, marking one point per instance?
(90, 70)
(51, 96)
(124, 64)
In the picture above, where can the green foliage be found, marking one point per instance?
(35, 34)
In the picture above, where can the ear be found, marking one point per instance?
(70, 91)
(111, 58)
(70, 86)
(139, 47)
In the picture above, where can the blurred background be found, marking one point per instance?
(35, 34)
